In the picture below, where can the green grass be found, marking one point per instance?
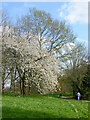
(42, 106)
(0, 106)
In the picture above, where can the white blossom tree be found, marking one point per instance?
(34, 69)
(32, 50)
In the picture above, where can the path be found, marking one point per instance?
(71, 98)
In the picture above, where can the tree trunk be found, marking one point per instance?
(23, 84)
(14, 80)
(29, 88)
(14, 86)
(11, 86)
(3, 88)
(73, 89)
(3, 81)
(20, 86)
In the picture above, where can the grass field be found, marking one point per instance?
(42, 106)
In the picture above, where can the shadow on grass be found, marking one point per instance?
(19, 95)
(21, 114)
(16, 112)
(55, 95)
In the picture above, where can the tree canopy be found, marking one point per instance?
(36, 50)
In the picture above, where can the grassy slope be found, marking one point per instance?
(42, 106)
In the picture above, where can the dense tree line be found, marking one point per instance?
(35, 50)
(76, 80)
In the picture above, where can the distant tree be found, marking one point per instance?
(74, 67)
(85, 83)
(52, 34)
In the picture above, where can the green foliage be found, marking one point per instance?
(86, 84)
(42, 106)
(76, 79)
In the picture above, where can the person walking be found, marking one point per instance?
(78, 95)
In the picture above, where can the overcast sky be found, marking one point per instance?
(75, 13)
